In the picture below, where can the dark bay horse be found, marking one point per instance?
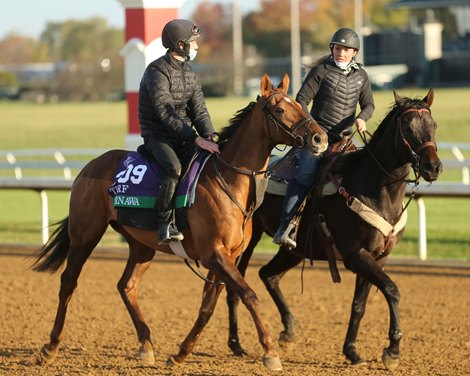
(376, 176)
(219, 221)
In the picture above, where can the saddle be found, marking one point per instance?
(136, 185)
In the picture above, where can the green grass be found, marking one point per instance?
(104, 125)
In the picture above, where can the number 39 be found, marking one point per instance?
(136, 174)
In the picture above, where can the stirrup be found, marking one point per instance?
(176, 236)
(168, 233)
(283, 238)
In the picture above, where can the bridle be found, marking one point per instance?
(299, 141)
(413, 151)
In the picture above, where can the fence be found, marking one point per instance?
(66, 163)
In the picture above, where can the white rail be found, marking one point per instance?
(13, 160)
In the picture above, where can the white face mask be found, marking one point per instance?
(342, 64)
(192, 54)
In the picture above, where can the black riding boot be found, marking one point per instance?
(295, 196)
(166, 229)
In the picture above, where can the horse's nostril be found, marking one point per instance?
(316, 139)
(433, 167)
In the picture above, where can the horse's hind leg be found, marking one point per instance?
(83, 237)
(139, 261)
(77, 257)
(358, 309)
(363, 264)
(210, 296)
(271, 274)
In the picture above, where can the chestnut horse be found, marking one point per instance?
(219, 221)
(377, 176)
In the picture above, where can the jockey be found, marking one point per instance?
(335, 84)
(173, 115)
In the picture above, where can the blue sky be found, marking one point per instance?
(29, 17)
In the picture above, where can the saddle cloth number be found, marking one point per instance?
(135, 173)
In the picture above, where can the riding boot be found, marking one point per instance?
(294, 198)
(164, 205)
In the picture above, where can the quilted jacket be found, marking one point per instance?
(171, 101)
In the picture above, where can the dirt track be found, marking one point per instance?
(100, 339)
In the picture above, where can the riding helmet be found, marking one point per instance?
(346, 37)
(179, 30)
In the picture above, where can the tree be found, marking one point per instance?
(17, 49)
(88, 51)
(269, 29)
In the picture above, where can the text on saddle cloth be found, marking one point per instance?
(137, 181)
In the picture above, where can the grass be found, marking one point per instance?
(104, 125)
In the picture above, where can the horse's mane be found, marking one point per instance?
(351, 160)
(234, 123)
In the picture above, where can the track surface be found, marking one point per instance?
(99, 338)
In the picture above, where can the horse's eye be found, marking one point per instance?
(279, 110)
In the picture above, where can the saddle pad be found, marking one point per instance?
(137, 182)
(279, 188)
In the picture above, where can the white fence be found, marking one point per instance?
(30, 169)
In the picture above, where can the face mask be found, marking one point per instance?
(342, 64)
(192, 55)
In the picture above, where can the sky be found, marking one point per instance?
(29, 17)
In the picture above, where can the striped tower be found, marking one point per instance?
(145, 20)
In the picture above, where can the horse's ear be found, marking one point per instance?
(429, 98)
(397, 97)
(284, 84)
(266, 85)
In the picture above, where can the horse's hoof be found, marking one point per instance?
(45, 355)
(236, 348)
(171, 361)
(287, 346)
(272, 363)
(359, 363)
(390, 361)
(146, 356)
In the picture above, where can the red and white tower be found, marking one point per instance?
(145, 20)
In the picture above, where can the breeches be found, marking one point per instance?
(168, 154)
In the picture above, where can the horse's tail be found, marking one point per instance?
(54, 253)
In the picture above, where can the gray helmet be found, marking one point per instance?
(179, 30)
(346, 37)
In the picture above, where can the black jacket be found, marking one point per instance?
(335, 96)
(171, 101)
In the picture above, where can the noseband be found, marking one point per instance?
(299, 141)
